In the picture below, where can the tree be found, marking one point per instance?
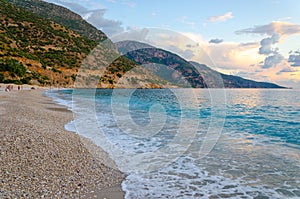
(13, 66)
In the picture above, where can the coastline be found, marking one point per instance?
(39, 158)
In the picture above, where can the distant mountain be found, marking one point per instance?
(61, 15)
(177, 70)
(231, 81)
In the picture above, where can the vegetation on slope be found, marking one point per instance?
(47, 50)
(62, 16)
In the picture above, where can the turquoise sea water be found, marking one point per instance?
(195, 143)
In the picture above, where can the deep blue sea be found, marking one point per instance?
(195, 143)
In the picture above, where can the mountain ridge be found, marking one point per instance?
(61, 15)
(197, 75)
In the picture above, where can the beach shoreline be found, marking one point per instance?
(39, 158)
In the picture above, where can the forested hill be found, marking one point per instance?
(61, 15)
(43, 49)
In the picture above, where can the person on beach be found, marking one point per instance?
(9, 88)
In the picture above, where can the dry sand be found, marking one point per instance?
(40, 159)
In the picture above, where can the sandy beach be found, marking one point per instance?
(40, 159)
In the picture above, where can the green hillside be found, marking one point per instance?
(62, 16)
(47, 50)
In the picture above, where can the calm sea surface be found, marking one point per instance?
(195, 143)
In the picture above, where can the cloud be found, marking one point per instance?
(276, 30)
(272, 60)
(294, 59)
(267, 43)
(95, 17)
(287, 70)
(244, 59)
(108, 26)
(282, 28)
(216, 41)
(232, 56)
(219, 18)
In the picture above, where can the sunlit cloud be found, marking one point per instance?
(226, 56)
(287, 70)
(219, 18)
(277, 31)
(233, 55)
(282, 28)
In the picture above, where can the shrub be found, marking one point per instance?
(73, 77)
(13, 66)
(26, 80)
(12, 81)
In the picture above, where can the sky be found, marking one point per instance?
(255, 39)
